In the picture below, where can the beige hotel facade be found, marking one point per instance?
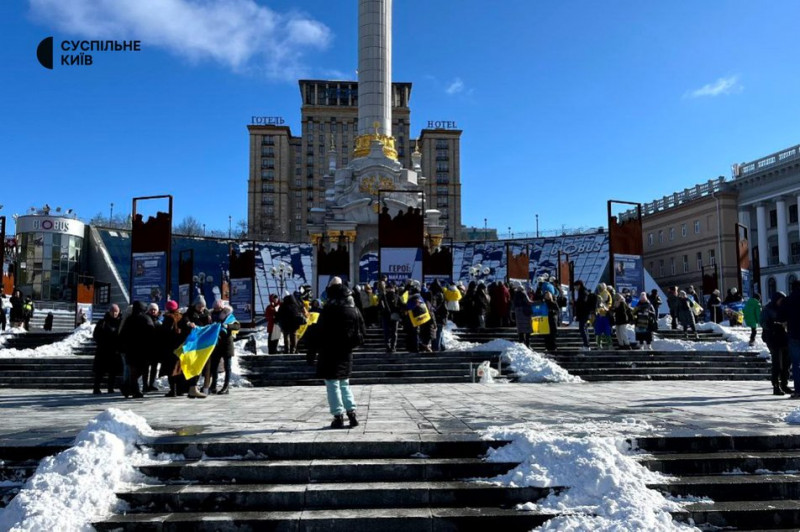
(289, 174)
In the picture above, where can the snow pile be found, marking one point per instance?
(607, 487)
(64, 347)
(8, 332)
(734, 339)
(75, 487)
(793, 417)
(529, 365)
(450, 339)
(738, 338)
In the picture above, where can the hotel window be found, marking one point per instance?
(697, 227)
(685, 263)
(442, 166)
(699, 260)
(650, 243)
(441, 144)
(267, 187)
(660, 236)
(268, 140)
(268, 175)
(712, 259)
(672, 233)
(683, 229)
(441, 190)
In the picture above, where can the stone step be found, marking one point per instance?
(366, 446)
(720, 462)
(677, 368)
(319, 496)
(349, 520)
(330, 470)
(655, 364)
(660, 446)
(765, 487)
(366, 380)
(676, 376)
(743, 514)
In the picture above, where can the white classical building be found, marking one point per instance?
(769, 193)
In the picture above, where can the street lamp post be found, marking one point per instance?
(111, 214)
(229, 225)
(485, 232)
(537, 226)
(280, 273)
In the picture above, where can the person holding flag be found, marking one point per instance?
(223, 315)
(193, 350)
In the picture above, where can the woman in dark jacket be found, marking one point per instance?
(522, 312)
(715, 306)
(645, 322)
(481, 305)
(16, 315)
(341, 328)
(106, 356)
(171, 336)
(291, 315)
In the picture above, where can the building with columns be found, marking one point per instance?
(691, 234)
(769, 193)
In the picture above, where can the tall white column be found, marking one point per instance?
(374, 66)
(783, 231)
(761, 221)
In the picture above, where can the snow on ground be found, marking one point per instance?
(606, 486)
(8, 332)
(529, 365)
(734, 339)
(76, 487)
(792, 417)
(63, 347)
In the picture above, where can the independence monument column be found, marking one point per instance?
(375, 77)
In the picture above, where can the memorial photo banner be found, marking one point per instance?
(400, 264)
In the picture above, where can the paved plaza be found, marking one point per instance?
(676, 408)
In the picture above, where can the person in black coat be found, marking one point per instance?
(106, 356)
(137, 341)
(291, 315)
(341, 329)
(773, 332)
(439, 310)
(2, 310)
(224, 349)
(16, 300)
(389, 306)
(553, 313)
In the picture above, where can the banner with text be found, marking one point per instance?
(628, 273)
(242, 299)
(149, 277)
(399, 264)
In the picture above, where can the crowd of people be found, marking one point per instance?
(20, 310)
(142, 345)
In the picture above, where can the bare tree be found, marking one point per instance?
(189, 226)
(117, 222)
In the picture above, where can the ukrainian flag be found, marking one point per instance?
(196, 350)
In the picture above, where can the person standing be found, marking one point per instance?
(197, 316)
(153, 358)
(553, 313)
(672, 303)
(686, 314)
(773, 332)
(645, 322)
(481, 304)
(438, 307)
(522, 313)
(752, 315)
(389, 305)
(137, 340)
(791, 313)
(27, 313)
(341, 329)
(271, 314)
(224, 349)
(715, 307)
(3, 318)
(106, 356)
(602, 318)
(171, 336)
(290, 316)
(17, 302)
(583, 310)
(622, 317)
(655, 301)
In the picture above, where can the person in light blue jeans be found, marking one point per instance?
(340, 329)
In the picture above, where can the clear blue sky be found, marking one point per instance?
(563, 104)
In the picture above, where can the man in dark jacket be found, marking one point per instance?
(389, 307)
(341, 329)
(673, 302)
(106, 356)
(791, 315)
(196, 316)
(582, 312)
(137, 340)
(773, 332)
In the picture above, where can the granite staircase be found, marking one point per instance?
(328, 484)
(740, 482)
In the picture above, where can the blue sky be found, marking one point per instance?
(563, 104)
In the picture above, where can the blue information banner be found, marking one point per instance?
(747, 283)
(149, 277)
(242, 299)
(629, 273)
(400, 264)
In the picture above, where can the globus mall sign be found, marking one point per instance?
(50, 224)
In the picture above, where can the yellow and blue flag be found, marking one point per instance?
(196, 350)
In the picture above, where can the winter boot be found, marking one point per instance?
(194, 393)
(338, 422)
(351, 415)
(777, 391)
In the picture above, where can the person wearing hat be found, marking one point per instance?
(153, 356)
(196, 316)
(137, 339)
(171, 336)
(271, 314)
(224, 349)
(686, 314)
(341, 329)
(523, 313)
(715, 306)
